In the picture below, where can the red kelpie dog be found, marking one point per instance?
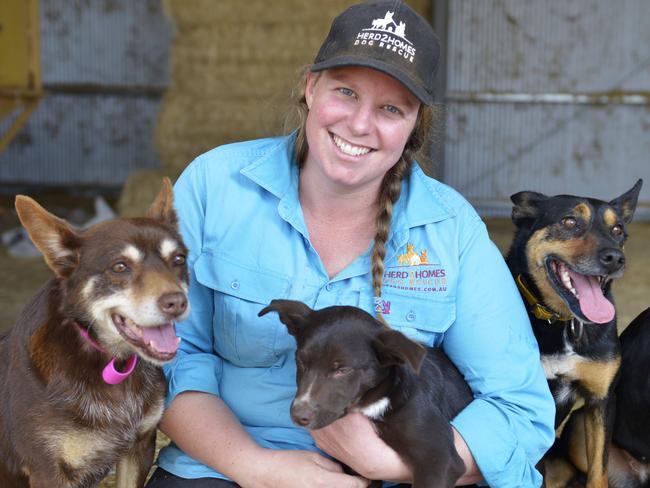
(81, 388)
(348, 361)
(565, 253)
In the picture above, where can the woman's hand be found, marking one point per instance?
(297, 469)
(354, 441)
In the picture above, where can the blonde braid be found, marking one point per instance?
(390, 190)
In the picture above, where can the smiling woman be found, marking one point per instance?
(342, 204)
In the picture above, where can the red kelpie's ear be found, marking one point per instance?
(293, 314)
(393, 347)
(162, 207)
(527, 206)
(54, 237)
(626, 203)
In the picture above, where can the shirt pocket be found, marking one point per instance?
(240, 292)
(421, 318)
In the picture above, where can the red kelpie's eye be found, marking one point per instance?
(179, 260)
(119, 267)
(617, 230)
(569, 222)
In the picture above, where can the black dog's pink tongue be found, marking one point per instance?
(163, 337)
(593, 303)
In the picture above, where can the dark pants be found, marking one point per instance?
(163, 479)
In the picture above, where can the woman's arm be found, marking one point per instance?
(354, 441)
(509, 424)
(205, 428)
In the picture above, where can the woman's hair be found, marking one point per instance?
(391, 185)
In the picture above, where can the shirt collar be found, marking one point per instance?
(274, 169)
(422, 201)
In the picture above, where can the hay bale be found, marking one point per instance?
(139, 192)
(233, 66)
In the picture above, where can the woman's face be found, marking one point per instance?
(358, 123)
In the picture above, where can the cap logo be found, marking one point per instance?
(387, 33)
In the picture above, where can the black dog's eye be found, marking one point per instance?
(341, 371)
(178, 260)
(300, 365)
(119, 267)
(569, 222)
(617, 230)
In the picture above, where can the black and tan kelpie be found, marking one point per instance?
(565, 254)
(629, 450)
(348, 361)
(629, 465)
(81, 388)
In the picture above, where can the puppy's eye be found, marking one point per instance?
(569, 222)
(341, 371)
(178, 260)
(300, 365)
(119, 267)
(617, 230)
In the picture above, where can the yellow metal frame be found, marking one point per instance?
(20, 64)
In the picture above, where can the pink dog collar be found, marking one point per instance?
(110, 374)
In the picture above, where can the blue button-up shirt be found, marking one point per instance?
(445, 284)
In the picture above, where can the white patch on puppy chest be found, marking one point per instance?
(376, 410)
(167, 247)
(133, 253)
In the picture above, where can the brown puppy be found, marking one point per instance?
(348, 361)
(81, 388)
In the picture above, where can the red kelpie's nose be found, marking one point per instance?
(302, 414)
(173, 304)
(612, 259)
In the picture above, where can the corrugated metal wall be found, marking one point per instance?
(550, 96)
(105, 64)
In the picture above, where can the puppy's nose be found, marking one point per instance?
(173, 304)
(612, 259)
(302, 414)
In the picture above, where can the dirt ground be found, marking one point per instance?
(20, 278)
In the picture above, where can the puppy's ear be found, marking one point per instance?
(292, 313)
(162, 207)
(53, 236)
(527, 207)
(625, 205)
(393, 347)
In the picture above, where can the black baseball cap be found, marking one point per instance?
(386, 35)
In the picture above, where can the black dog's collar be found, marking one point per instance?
(537, 309)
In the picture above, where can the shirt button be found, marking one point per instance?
(410, 316)
(234, 285)
(329, 287)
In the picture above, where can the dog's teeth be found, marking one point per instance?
(566, 281)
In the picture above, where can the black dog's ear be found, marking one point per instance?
(292, 313)
(393, 347)
(527, 206)
(625, 205)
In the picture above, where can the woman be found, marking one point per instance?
(337, 213)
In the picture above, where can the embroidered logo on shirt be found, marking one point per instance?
(387, 33)
(382, 306)
(411, 258)
(414, 272)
